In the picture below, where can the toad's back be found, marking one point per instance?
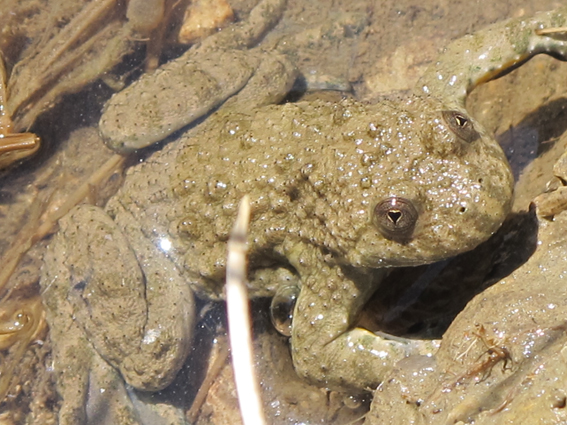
(315, 172)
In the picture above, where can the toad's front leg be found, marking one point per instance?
(492, 52)
(326, 348)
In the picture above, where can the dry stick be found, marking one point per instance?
(25, 241)
(239, 326)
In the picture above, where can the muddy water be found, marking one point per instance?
(386, 49)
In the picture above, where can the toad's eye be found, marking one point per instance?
(396, 218)
(461, 125)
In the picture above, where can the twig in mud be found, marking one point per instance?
(239, 324)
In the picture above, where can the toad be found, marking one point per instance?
(340, 194)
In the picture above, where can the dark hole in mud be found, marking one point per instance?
(423, 301)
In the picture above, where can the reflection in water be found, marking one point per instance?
(164, 244)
